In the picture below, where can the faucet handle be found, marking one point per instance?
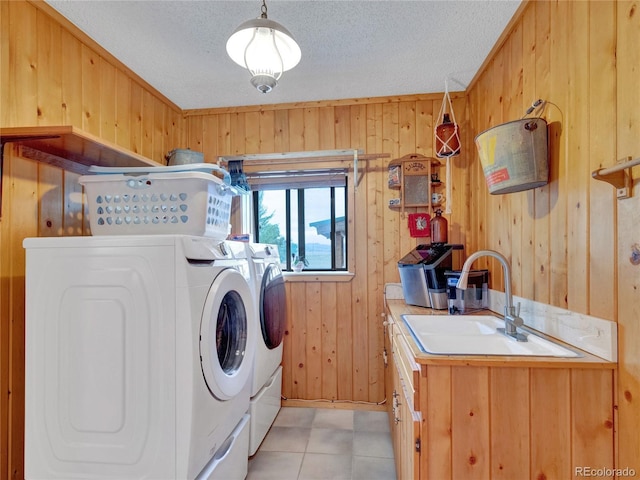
(512, 311)
(512, 315)
(517, 320)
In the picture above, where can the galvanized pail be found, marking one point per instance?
(184, 156)
(514, 155)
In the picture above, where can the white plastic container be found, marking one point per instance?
(188, 203)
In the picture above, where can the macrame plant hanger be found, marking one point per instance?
(447, 133)
(447, 140)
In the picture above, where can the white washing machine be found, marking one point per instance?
(270, 305)
(139, 354)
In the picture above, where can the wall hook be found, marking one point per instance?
(619, 177)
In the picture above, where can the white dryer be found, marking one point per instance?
(271, 308)
(139, 354)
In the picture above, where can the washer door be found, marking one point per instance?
(273, 306)
(226, 340)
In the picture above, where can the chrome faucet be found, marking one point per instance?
(512, 318)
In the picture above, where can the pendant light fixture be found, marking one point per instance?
(265, 48)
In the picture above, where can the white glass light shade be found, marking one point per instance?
(266, 49)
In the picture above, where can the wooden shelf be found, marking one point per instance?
(70, 148)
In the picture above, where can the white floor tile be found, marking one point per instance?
(295, 417)
(372, 444)
(325, 444)
(365, 421)
(330, 440)
(317, 466)
(370, 468)
(275, 466)
(330, 418)
(286, 439)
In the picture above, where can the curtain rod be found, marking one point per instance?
(304, 157)
(290, 155)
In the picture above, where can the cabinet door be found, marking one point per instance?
(395, 415)
(406, 429)
(412, 439)
(388, 366)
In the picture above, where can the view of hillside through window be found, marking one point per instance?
(301, 224)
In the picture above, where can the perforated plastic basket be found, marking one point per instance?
(189, 203)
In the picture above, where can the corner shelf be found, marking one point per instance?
(69, 148)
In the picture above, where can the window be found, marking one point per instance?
(304, 222)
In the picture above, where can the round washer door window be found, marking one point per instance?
(226, 339)
(273, 306)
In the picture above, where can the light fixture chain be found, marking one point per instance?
(264, 9)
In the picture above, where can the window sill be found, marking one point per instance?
(318, 276)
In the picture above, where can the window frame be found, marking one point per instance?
(301, 225)
(294, 163)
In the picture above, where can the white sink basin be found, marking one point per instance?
(476, 335)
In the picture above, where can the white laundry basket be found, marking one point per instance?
(189, 203)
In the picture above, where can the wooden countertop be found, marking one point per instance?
(398, 307)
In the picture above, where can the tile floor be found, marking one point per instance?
(317, 443)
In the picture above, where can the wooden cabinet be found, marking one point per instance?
(406, 423)
(496, 418)
(403, 377)
(416, 178)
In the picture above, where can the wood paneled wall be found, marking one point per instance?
(51, 74)
(54, 75)
(569, 242)
(334, 338)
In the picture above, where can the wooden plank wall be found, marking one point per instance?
(53, 75)
(627, 120)
(570, 243)
(334, 338)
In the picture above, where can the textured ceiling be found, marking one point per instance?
(350, 49)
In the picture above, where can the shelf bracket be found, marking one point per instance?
(619, 177)
(356, 181)
(18, 139)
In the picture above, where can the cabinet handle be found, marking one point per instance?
(396, 420)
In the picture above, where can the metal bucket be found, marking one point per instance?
(181, 156)
(514, 155)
